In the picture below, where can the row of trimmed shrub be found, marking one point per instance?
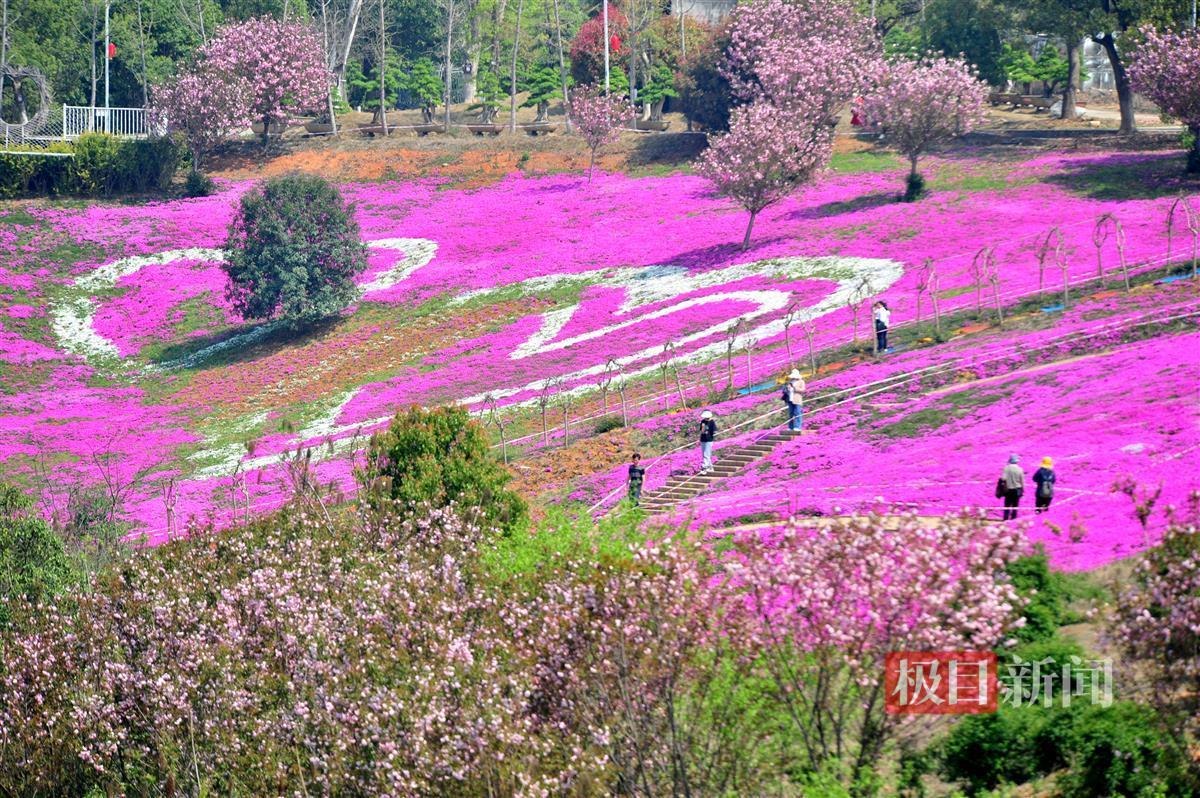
(101, 165)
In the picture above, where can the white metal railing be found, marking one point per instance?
(124, 122)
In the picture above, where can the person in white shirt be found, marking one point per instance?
(883, 319)
(793, 397)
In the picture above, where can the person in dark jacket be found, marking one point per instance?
(637, 475)
(708, 434)
(1044, 478)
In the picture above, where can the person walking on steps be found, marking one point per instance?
(708, 434)
(637, 475)
(1044, 478)
(1011, 486)
(883, 320)
(793, 397)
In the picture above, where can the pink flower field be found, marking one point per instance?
(121, 356)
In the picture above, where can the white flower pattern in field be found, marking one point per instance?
(672, 288)
(73, 319)
(643, 286)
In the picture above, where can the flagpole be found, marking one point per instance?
(107, 120)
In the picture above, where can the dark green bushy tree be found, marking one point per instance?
(703, 86)
(33, 563)
(293, 252)
(488, 95)
(970, 28)
(543, 85)
(424, 86)
(658, 88)
(439, 457)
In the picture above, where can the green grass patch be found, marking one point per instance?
(19, 216)
(947, 409)
(865, 161)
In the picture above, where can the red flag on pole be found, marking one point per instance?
(112, 51)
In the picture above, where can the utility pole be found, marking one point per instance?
(606, 87)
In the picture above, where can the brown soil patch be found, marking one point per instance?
(552, 468)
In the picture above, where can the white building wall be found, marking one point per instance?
(708, 11)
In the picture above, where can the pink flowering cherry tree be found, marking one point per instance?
(205, 105)
(816, 54)
(283, 61)
(1165, 71)
(918, 104)
(598, 117)
(822, 608)
(765, 156)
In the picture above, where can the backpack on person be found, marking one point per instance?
(1045, 488)
(786, 393)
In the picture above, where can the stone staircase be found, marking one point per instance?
(726, 462)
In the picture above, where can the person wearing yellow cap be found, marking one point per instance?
(1045, 478)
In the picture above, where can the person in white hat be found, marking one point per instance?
(793, 397)
(708, 434)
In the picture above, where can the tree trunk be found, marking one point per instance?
(1193, 162)
(591, 164)
(1121, 78)
(497, 28)
(347, 43)
(449, 42)
(749, 230)
(382, 68)
(562, 68)
(512, 100)
(1068, 102)
(4, 49)
(471, 78)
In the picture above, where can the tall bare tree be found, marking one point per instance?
(512, 102)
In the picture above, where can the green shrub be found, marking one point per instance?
(147, 164)
(608, 424)
(1044, 609)
(102, 165)
(96, 164)
(35, 173)
(1109, 751)
(33, 562)
(1049, 594)
(984, 751)
(435, 458)
(914, 187)
(1121, 751)
(198, 184)
(294, 251)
